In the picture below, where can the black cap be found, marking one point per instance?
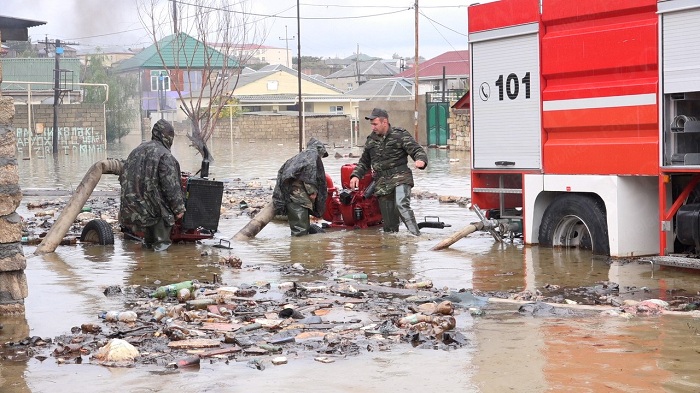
(376, 112)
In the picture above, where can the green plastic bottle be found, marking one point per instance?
(172, 289)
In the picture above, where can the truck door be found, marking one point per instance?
(506, 121)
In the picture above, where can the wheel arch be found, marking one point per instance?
(546, 198)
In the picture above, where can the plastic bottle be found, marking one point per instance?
(172, 289)
(160, 313)
(119, 316)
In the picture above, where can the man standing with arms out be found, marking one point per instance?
(386, 151)
(151, 196)
(301, 188)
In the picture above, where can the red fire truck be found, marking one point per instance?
(585, 122)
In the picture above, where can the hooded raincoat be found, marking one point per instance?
(150, 182)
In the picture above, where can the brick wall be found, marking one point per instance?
(13, 281)
(81, 129)
(283, 127)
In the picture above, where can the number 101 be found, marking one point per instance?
(513, 86)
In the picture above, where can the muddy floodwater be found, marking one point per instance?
(506, 351)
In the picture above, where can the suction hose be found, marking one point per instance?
(466, 231)
(77, 201)
(258, 222)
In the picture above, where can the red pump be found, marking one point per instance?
(346, 208)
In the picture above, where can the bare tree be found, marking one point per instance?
(200, 43)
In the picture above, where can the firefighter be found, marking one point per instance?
(386, 152)
(151, 192)
(301, 188)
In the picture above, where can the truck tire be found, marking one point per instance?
(578, 221)
(97, 231)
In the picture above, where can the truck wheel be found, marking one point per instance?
(97, 231)
(576, 221)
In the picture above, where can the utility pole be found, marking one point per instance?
(357, 65)
(56, 94)
(174, 17)
(286, 43)
(415, 80)
(301, 105)
(56, 87)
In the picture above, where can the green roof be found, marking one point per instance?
(178, 51)
(37, 70)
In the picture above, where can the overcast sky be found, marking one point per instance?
(329, 28)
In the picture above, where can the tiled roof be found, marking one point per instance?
(387, 88)
(178, 51)
(370, 68)
(456, 63)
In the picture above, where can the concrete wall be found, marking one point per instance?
(283, 127)
(459, 130)
(13, 281)
(400, 115)
(81, 129)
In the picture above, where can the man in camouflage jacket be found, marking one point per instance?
(151, 192)
(386, 153)
(301, 188)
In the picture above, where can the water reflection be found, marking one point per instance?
(508, 352)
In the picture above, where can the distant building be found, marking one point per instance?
(260, 54)
(32, 80)
(110, 54)
(454, 65)
(355, 74)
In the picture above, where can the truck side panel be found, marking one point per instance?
(600, 87)
(502, 14)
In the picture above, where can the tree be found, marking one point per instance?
(219, 29)
(23, 49)
(120, 107)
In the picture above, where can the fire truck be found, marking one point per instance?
(585, 124)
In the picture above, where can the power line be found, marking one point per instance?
(293, 17)
(438, 23)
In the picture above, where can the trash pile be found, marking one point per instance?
(261, 323)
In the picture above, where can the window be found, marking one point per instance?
(160, 81)
(272, 85)
(336, 109)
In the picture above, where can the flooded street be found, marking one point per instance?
(507, 351)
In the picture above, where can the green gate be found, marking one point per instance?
(438, 130)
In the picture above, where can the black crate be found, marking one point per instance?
(203, 204)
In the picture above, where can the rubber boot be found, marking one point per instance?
(403, 205)
(158, 236)
(390, 217)
(298, 217)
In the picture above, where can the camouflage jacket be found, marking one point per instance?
(300, 176)
(388, 157)
(150, 187)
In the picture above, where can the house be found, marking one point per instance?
(355, 74)
(389, 89)
(110, 54)
(455, 67)
(177, 62)
(276, 88)
(262, 54)
(32, 79)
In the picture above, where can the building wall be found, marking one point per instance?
(328, 129)
(459, 130)
(401, 114)
(286, 84)
(81, 129)
(13, 281)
